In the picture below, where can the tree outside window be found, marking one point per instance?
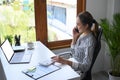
(17, 18)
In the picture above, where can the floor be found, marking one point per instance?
(100, 76)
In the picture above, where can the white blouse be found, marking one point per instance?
(82, 52)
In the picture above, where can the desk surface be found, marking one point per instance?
(40, 53)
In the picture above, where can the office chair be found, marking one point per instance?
(88, 75)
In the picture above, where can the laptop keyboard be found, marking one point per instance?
(21, 57)
(17, 57)
(26, 58)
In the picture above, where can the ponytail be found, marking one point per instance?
(94, 27)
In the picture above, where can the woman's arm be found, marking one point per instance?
(86, 59)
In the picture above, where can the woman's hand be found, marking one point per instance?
(61, 60)
(75, 35)
(58, 59)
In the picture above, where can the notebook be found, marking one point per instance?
(40, 71)
(15, 57)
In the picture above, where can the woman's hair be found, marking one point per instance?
(86, 18)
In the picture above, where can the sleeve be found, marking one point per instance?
(85, 64)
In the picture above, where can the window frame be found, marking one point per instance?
(41, 24)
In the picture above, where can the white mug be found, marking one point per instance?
(30, 45)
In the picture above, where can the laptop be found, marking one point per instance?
(15, 57)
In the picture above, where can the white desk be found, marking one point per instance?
(40, 53)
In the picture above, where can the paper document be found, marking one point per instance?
(40, 71)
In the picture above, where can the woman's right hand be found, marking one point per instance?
(75, 35)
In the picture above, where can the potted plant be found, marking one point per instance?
(9, 37)
(0, 39)
(1, 32)
(111, 33)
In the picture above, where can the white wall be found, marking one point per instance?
(117, 6)
(98, 8)
(103, 8)
(110, 9)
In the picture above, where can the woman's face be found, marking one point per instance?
(82, 28)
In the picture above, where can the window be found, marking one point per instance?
(17, 18)
(61, 18)
(55, 20)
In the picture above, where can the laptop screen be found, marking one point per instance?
(7, 49)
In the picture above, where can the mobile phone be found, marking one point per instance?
(76, 29)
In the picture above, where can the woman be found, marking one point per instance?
(83, 43)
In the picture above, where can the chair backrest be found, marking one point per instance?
(95, 54)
